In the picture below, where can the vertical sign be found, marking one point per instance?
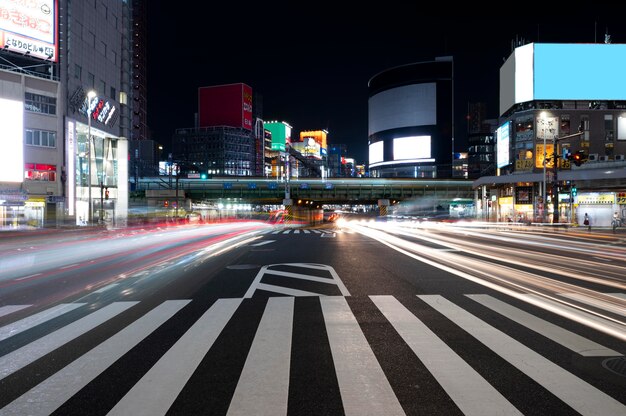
(71, 169)
(247, 106)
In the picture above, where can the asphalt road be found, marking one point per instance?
(356, 319)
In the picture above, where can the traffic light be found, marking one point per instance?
(579, 157)
(106, 193)
(574, 190)
(204, 175)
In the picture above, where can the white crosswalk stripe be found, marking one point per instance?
(157, 390)
(9, 309)
(466, 387)
(46, 397)
(578, 394)
(263, 385)
(19, 358)
(568, 339)
(34, 320)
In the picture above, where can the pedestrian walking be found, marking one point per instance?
(587, 222)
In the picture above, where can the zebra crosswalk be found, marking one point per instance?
(365, 377)
(313, 231)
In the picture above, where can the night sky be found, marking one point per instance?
(312, 66)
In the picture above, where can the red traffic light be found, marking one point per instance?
(579, 157)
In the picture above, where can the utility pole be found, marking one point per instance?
(555, 184)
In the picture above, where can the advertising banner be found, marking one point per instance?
(30, 28)
(247, 107)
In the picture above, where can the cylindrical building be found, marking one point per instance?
(411, 131)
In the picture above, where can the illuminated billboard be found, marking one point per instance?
(320, 136)
(407, 106)
(225, 105)
(376, 152)
(12, 134)
(281, 134)
(503, 143)
(30, 27)
(413, 147)
(550, 71)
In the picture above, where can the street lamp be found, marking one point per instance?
(90, 96)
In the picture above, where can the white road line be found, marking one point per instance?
(21, 357)
(285, 290)
(5, 310)
(468, 389)
(262, 243)
(36, 319)
(578, 394)
(104, 289)
(276, 232)
(362, 383)
(575, 315)
(317, 231)
(570, 340)
(68, 266)
(29, 276)
(158, 388)
(263, 387)
(50, 394)
(301, 276)
(296, 231)
(307, 231)
(294, 292)
(329, 235)
(598, 303)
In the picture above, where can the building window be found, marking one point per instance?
(40, 103)
(42, 138)
(40, 172)
(91, 80)
(565, 125)
(91, 39)
(113, 93)
(114, 57)
(123, 98)
(103, 46)
(78, 71)
(102, 89)
(609, 131)
(621, 128)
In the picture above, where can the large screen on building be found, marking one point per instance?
(376, 152)
(11, 137)
(551, 71)
(225, 105)
(503, 144)
(413, 147)
(591, 71)
(407, 106)
(30, 27)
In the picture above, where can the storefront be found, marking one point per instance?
(599, 206)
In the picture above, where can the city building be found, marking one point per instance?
(70, 76)
(481, 142)
(411, 130)
(228, 137)
(561, 139)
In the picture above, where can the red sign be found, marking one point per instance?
(225, 105)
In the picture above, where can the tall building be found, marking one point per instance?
(144, 153)
(555, 100)
(71, 77)
(481, 141)
(411, 130)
